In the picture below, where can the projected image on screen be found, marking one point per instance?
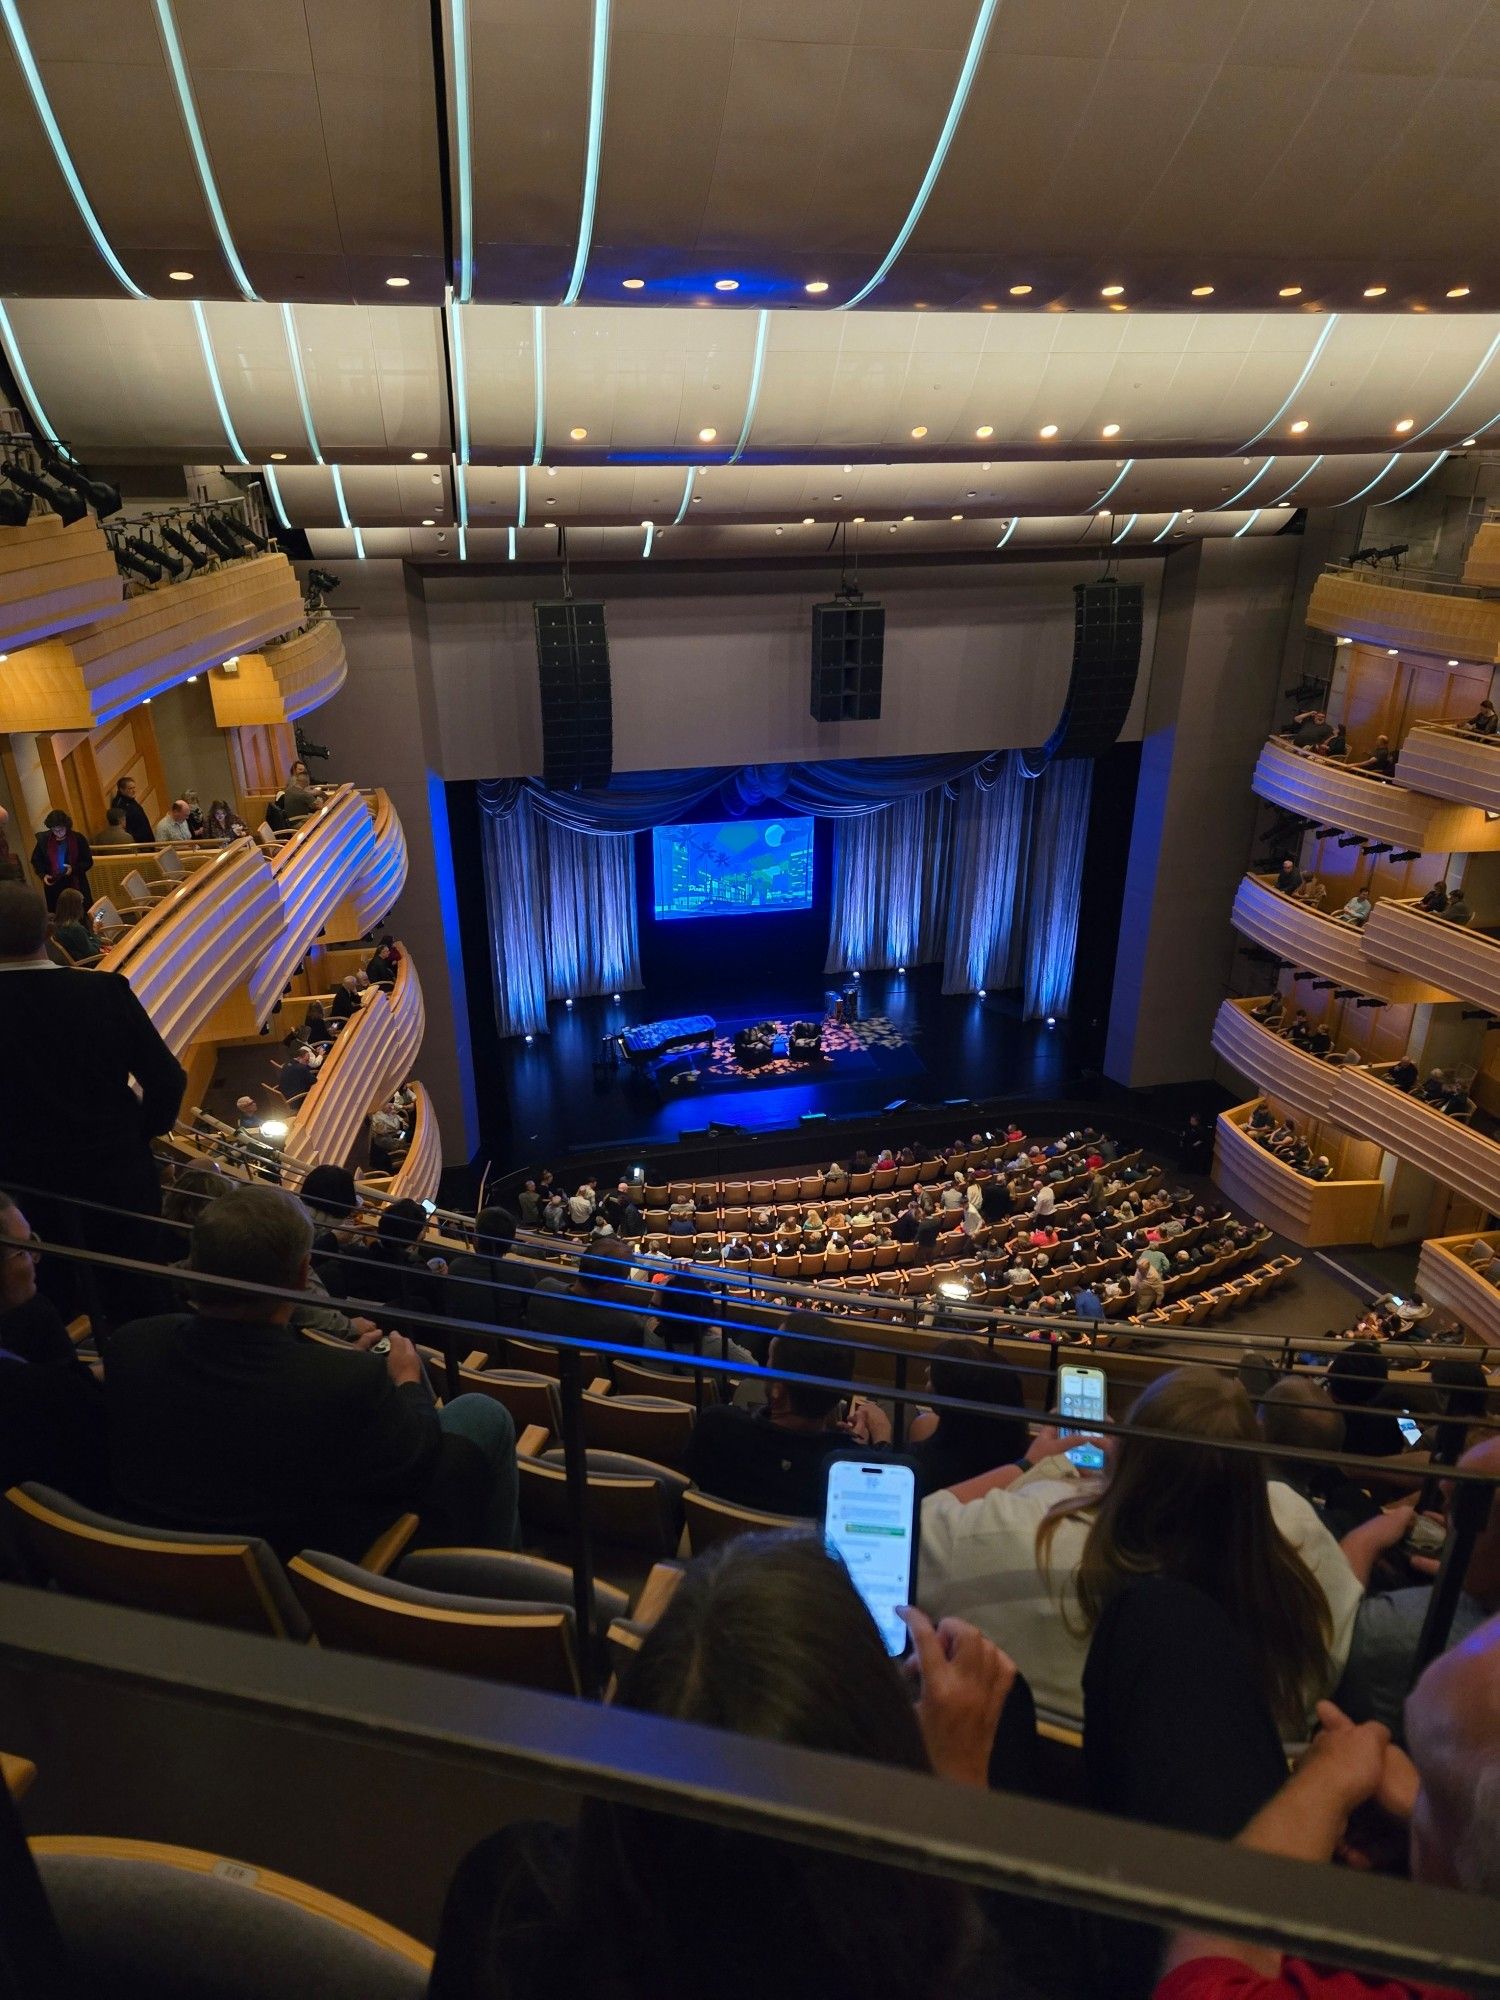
(733, 868)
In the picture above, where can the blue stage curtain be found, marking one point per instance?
(986, 879)
(1060, 830)
(562, 911)
(888, 884)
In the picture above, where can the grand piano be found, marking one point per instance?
(652, 1046)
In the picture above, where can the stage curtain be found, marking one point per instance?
(889, 871)
(986, 880)
(562, 912)
(1055, 882)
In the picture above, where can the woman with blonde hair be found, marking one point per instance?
(1034, 1559)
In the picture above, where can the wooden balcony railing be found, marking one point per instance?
(1319, 942)
(1342, 795)
(1299, 1083)
(1308, 1212)
(52, 579)
(283, 680)
(1416, 941)
(1455, 1153)
(1451, 763)
(372, 1055)
(1446, 1279)
(315, 871)
(1426, 614)
(417, 1177)
(383, 876)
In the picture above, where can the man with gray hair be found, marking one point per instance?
(223, 1420)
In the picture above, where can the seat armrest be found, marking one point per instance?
(533, 1441)
(600, 1386)
(16, 1773)
(388, 1547)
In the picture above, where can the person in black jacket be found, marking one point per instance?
(62, 859)
(137, 825)
(51, 1407)
(72, 1124)
(490, 1283)
(222, 1420)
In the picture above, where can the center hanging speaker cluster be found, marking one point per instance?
(1101, 687)
(848, 655)
(572, 658)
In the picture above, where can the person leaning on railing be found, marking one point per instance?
(1484, 721)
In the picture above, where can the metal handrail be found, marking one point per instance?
(1405, 579)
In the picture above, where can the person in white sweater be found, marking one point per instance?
(1030, 1554)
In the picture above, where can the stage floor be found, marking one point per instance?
(912, 1041)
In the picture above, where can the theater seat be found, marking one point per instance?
(144, 1921)
(709, 1520)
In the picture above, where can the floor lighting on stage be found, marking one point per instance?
(569, 1001)
(1051, 1020)
(980, 994)
(614, 996)
(854, 975)
(901, 968)
(528, 1038)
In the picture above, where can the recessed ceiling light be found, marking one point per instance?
(578, 433)
(919, 430)
(1048, 431)
(807, 520)
(1111, 430)
(1417, 307)
(186, 278)
(893, 527)
(1118, 306)
(1374, 291)
(1103, 514)
(633, 284)
(1020, 291)
(707, 434)
(985, 431)
(1456, 292)
(1406, 423)
(989, 306)
(398, 284)
(859, 520)
(278, 454)
(551, 502)
(1290, 292)
(1453, 663)
(1203, 291)
(726, 284)
(919, 305)
(970, 494)
(985, 467)
(816, 285)
(778, 531)
(1392, 650)
(697, 499)
(955, 517)
(1300, 426)
(437, 477)
(419, 455)
(1110, 291)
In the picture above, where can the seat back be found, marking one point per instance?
(216, 1579)
(531, 1398)
(631, 1502)
(492, 1638)
(653, 1427)
(708, 1520)
(633, 1380)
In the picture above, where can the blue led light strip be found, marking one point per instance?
(24, 384)
(359, 544)
(598, 77)
(269, 473)
(1124, 531)
(1307, 368)
(460, 381)
(1489, 355)
(512, 533)
(650, 527)
(295, 357)
(1015, 518)
(977, 39)
(1416, 482)
(1224, 506)
(1298, 480)
(461, 487)
(183, 85)
(521, 497)
(338, 494)
(1124, 469)
(1392, 460)
(1171, 523)
(463, 544)
(463, 136)
(60, 153)
(213, 377)
(687, 494)
(757, 369)
(539, 372)
(1248, 525)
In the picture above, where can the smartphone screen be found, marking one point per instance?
(1081, 1394)
(870, 1522)
(1410, 1430)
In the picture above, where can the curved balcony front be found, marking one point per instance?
(371, 1056)
(1295, 1081)
(53, 578)
(200, 943)
(1308, 1212)
(1454, 1153)
(314, 871)
(1412, 940)
(1406, 609)
(1451, 763)
(1482, 563)
(284, 680)
(1446, 1279)
(1321, 943)
(1337, 794)
(417, 1177)
(383, 876)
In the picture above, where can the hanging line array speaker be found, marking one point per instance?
(1101, 687)
(572, 660)
(848, 654)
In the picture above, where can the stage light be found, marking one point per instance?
(980, 993)
(67, 506)
(175, 538)
(614, 996)
(529, 1038)
(901, 968)
(192, 680)
(854, 975)
(15, 512)
(569, 1001)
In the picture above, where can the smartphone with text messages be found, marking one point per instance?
(1080, 1393)
(870, 1523)
(1410, 1429)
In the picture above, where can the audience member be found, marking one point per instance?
(73, 931)
(1336, 745)
(391, 1270)
(1298, 1414)
(222, 822)
(298, 798)
(1313, 892)
(1458, 911)
(297, 1073)
(113, 833)
(136, 823)
(1382, 759)
(951, 1446)
(1484, 721)
(51, 1409)
(1403, 1074)
(173, 824)
(381, 968)
(490, 1282)
(1357, 910)
(1288, 877)
(317, 1030)
(1310, 728)
(599, 1302)
(333, 1201)
(346, 998)
(62, 859)
(1436, 898)
(221, 1420)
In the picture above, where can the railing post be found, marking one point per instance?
(1467, 1514)
(576, 1465)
